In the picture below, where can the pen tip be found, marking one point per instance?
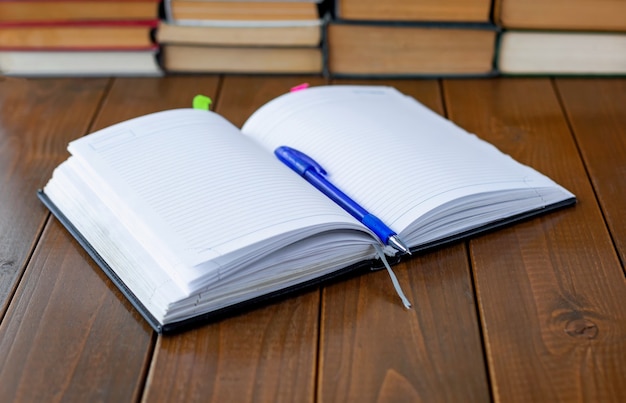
(395, 242)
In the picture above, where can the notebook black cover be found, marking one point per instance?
(276, 295)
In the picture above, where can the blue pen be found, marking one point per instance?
(313, 173)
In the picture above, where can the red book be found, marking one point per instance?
(77, 10)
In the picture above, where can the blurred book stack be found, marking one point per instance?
(204, 36)
(411, 38)
(78, 37)
(341, 38)
(556, 37)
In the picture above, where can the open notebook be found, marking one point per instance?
(191, 216)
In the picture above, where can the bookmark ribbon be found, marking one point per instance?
(394, 279)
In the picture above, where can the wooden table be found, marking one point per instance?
(534, 312)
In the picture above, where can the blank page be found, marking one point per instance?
(193, 189)
(394, 156)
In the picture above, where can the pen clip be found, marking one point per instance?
(298, 161)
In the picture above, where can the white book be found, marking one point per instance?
(561, 53)
(191, 216)
(71, 63)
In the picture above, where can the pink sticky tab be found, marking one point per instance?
(300, 87)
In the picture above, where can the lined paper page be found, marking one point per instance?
(394, 156)
(196, 189)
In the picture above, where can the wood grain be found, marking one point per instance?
(133, 97)
(37, 119)
(551, 291)
(372, 349)
(241, 95)
(596, 110)
(268, 354)
(69, 335)
(537, 312)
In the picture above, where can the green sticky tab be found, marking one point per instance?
(202, 102)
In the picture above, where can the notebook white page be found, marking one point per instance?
(392, 155)
(199, 195)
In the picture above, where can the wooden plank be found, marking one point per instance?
(551, 292)
(70, 334)
(597, 113)
(241, 96)
(268, 354)
(372, 349)
(38, 118)
(132, 97)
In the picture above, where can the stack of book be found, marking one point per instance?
(78, 37)
(202, 36)
(580, 37)
(411, 38)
